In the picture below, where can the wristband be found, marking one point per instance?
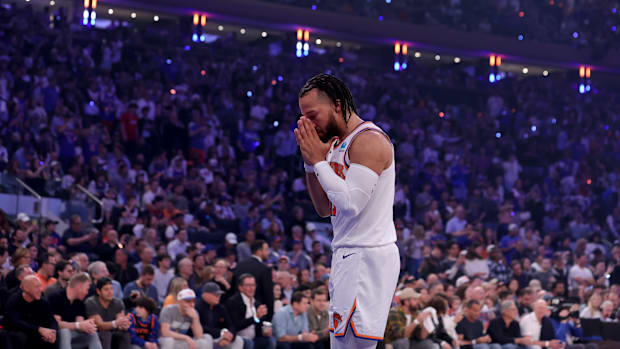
(547, 344)
(308, 168)
(474, 342)
(299, 337)
(114, 323)
(77, 325)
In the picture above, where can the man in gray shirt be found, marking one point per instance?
(176, 321)
(108, 313)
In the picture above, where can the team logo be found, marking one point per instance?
(337, 320)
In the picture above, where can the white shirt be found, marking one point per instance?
(531, 327)
(250, 311)
(161, 282)
(176, 247)
(575, 272)
(455, 224)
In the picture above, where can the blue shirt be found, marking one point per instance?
(285, 323)
(151, 291)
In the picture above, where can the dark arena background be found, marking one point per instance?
(153, 193)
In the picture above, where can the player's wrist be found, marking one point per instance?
(308, 168)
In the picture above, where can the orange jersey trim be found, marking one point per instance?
(352, 324)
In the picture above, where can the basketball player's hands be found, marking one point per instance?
(313, 150)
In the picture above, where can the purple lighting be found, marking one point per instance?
(313, 7)
(380, 18)
(575, 35)
(613, 29)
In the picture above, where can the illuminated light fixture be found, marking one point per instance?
(173, 91)
(525, 70)
(318, 41)
(203, 20)
(397, 48)
(89, 15)
(263, 34)
(220, 27)
(52, 2)
(110, 11)
(545, 73)
(492, 61)
(457, 60)
(417, 55)
(133, 15)
(588, 73)
(156, 18)
(338, 44)
(196, 18)
(437, 57)
(242, 30)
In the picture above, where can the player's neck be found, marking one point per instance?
(352, 124)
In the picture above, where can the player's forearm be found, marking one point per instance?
(317, 195)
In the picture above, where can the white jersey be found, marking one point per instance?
(374, 225)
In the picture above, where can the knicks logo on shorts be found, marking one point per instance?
(339, 170)
(337, 319)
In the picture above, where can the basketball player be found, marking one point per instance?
(350, 175)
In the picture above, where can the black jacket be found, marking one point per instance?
(264, 281)
(213, 320)
(237, 310)
(25, 317)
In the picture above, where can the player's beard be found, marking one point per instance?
(331, 129)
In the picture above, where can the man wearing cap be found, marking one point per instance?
(230, 245)
(403, 319)
(176, 320)
(215, 319)
(49, 227)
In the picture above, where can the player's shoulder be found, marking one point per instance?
(372, 141)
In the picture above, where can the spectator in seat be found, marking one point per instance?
(291, 325)
(144, 327)
(28, 317)
(470, 329)
(163, 275)
(256, 267)
(70, 313)
(143, 284)
(215, 318)
(45, 273)
(176, 285)
(108, 313)
(248, 314)
(176, 320)
(537, 326)
(318, 317)
(98, 270)
(505, 329)
(64, 270)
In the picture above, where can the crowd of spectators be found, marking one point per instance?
(504, 193)
(595, 22)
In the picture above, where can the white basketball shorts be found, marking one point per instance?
(361, 288)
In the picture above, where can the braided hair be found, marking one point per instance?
(335, 89)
